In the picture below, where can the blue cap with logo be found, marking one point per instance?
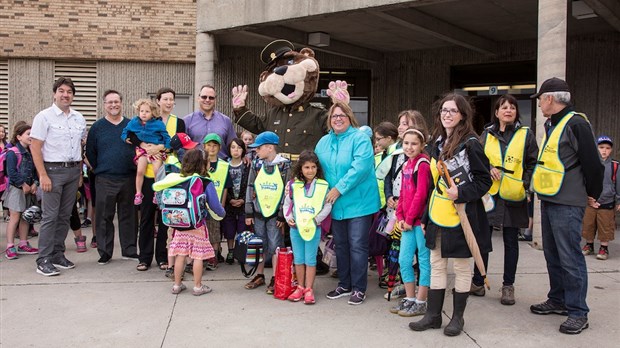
(266, 138)
(603, 139)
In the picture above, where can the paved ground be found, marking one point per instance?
(115, 305)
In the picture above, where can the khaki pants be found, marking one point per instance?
(439, 270)
(601, 220)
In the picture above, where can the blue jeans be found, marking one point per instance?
(351, 238)
(267, 230)
(568, 276)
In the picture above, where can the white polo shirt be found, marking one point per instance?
(61, 134)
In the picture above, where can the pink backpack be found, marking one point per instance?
(4, 178)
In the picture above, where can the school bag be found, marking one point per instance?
(249, 252)
(183, 202)
(4, 178)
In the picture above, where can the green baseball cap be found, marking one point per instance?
(212, 137)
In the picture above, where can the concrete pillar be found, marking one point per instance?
(205, 62)
(551, 62)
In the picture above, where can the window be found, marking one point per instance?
(84, 76)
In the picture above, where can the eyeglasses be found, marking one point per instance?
(113, 102)
(335, 116)
(452, 112)
(205, 97)
(379, 138)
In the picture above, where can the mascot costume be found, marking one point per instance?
(288, 83)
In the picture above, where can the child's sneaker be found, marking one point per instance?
(230, 258)
(176, 289)
(271, 286)
(80, 243)
(137, 199)
(26, 249)
(402, 304)
(203, 289)
(11, 253)
(603, 253)
(298, 294)
(309, 297)
(588, 249)
(93, 242)
(416, 309)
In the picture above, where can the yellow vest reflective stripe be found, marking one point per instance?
(380, 182)
(441, 209)
(307, 206)
(510, 186)
(269, 189)
(218, 177)
(549, 171)
(171, 128)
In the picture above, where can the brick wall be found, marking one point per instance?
(134, 30)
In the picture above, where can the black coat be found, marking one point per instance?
(506, 213)
(453, 243)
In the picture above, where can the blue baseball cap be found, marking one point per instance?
(266, 138)
(366, 130)
(604, 139)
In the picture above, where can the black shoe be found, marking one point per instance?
(62, 262)
(189, 268)
(133, 257)
(573, 326)
(549, 307)
(230, 259)
(220, 258)
(103, 260)
(338, 293)
(457, 322)
(47, 269)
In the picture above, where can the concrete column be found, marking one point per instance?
(205, 62)
(551, 62)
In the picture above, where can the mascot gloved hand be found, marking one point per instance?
(287, 84)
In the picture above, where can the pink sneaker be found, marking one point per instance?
(297, 295)
(27, 249)
(80, 242)
(11, 253)
(137, 199)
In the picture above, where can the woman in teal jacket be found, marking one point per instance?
(347, 157)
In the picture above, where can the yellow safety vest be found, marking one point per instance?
(171, 128)
(269, 189)
(510, 186)
(307, 206)
(218, 177)
(549, 171)
(441, 209)
(380, 182)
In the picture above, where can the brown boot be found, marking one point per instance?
(508, 295)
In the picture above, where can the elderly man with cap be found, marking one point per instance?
(567, 177)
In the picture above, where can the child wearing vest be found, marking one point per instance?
(304, 209)
(263, 202)
(148, 128)
(457, 146)
(20, 190)
(411, 206)
(238, 172)
(600, 215)
(218, 172)
(193, 243)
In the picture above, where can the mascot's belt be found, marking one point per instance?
(290, 156)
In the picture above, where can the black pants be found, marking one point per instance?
(511, 257)
(116, 194)
(146, 241)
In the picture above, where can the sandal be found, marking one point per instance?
(142, 266)
(203, 289)
(257, 281)
(163, 265)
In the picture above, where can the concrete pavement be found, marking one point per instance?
(115, 305)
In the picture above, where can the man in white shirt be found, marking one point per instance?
(57, 134)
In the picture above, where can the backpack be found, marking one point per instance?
(614, 171)
(248, 251)
(4, 178)
(184, 205)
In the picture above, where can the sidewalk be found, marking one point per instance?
(115, 305)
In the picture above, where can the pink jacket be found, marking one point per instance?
(412, 201)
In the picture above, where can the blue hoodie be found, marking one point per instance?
(348, 162)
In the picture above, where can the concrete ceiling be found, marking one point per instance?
(369, 33)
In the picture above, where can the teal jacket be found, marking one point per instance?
(348, 162)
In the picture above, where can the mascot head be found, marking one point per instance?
(290, 78)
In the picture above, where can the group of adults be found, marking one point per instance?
(564, 174)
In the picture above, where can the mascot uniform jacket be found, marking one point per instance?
(287, 86)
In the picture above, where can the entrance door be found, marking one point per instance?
(358, 82)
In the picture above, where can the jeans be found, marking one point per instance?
(351, 238)
(568, 276)
(116, 195)
(56, 206)
(410, 242)
(267, 230)
(511, 257)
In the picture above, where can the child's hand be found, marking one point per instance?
(405, 226)
(279, 224)
(291, 222)
(392, 203)
(249, 221)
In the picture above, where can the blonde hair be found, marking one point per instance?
(150, 103)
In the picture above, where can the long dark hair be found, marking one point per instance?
(463, 130)
(307, 156)
(194, 162)
(19, 129)
(512, 101)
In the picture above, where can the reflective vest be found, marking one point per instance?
(380, 182)
(510, 186)
(549, 171)
(218, 177)
(307, 206)
(441, 209)
(171, 125)
(269, 189)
